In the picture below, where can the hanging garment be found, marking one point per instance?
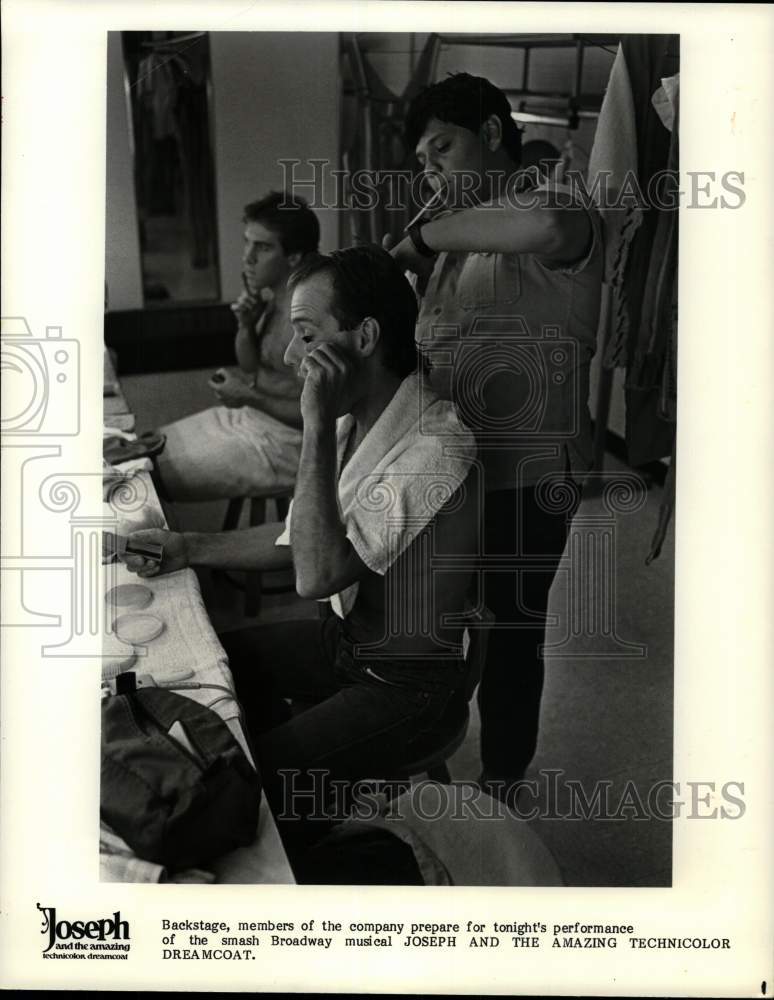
(172, 83)
(611, 171)
(638, 140)
(651, 381)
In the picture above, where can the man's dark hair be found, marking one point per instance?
(289, 216)
(366, 281)
(467, 101)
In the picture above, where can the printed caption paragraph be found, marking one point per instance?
(203, 940)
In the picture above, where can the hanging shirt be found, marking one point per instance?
(510, 340)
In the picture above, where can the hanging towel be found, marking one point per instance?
(613, 166)
(408, 465)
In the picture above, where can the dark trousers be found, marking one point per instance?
(366, 718)
(517, 525)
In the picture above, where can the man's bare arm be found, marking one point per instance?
(250, 549)
(280, 407)
(232, 390)
(325, 560)
(529, 223)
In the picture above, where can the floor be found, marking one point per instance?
(606, 719)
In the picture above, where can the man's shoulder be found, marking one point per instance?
(420, 443)
(437, 452)
(437, 421)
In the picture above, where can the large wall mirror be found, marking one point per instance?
(169, 89)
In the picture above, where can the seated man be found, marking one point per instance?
(250, 444)
(383, 517)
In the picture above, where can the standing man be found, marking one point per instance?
(510, 276)
(249, 445)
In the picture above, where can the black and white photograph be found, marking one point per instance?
(376, 287)
(385, 396)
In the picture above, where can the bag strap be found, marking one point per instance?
(208, 733)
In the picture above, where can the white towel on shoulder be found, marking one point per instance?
(405, 469)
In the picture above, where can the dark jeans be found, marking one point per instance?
(368, 719)
(512, 680)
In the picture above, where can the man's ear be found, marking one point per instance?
(492, 133)
(294, 259)
(368, 336)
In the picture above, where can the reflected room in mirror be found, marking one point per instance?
(168, 87)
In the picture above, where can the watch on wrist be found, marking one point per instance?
(415, 235)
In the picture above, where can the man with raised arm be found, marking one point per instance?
(510, 274)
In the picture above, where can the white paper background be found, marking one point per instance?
(53, 190)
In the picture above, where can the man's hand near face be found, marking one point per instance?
(324, 559)
(326, 371)
(250, 303)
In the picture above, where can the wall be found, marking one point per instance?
(122, 245)
(275, 97)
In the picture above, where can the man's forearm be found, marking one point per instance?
(518, 227)
(249, 549)
(269, 381)
(287, 411)
(321, 551)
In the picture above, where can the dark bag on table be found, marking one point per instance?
(172, 806)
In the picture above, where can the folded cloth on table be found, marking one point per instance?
(132, 467)
(116, 448)
(118, 432)
(121, 421)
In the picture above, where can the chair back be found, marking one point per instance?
(478, 622)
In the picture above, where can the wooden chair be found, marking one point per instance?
(253, 585)
(434, 763)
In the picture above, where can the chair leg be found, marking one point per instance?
(440, 773)
(257, 511)
(233, 514)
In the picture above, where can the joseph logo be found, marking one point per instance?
(61, 931)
